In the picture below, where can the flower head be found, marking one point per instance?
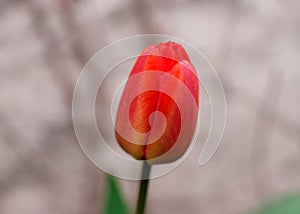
(158, 109)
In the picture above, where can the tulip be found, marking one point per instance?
(158, 109)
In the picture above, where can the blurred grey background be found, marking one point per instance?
(254, 46)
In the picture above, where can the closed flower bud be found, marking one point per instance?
(158, 110)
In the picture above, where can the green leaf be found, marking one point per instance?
(114, 203)
(287, 205)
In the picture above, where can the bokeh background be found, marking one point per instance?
(254, 46)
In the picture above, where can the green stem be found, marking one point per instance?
(141, 204)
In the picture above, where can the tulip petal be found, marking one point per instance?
(155, 152)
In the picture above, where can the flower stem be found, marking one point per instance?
(141, 204)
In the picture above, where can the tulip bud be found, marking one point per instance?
(158, 110)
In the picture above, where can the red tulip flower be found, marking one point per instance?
(158, 110)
